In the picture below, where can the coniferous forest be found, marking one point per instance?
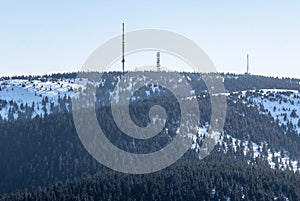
(42, 158)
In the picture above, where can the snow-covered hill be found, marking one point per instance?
(29, 98)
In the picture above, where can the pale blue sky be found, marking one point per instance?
(38, 37)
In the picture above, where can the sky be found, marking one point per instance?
(39, 37)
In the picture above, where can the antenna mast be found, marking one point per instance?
(123, 48)
(158, 61)
(247, 70)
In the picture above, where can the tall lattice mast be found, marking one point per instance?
(123, 49)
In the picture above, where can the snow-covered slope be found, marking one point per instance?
(282, 105)
(36, 97)
(248, 149)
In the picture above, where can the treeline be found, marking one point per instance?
(232, 82)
